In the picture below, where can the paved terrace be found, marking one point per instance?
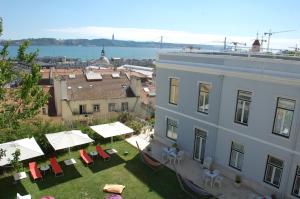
(193, 171)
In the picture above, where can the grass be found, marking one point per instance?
(86, 182)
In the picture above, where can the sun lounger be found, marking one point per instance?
(85, 157)
(56, 167)
(34, 171)
(102, 153)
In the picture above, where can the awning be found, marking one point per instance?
(28, 149)
(68, 139)
(112, 129)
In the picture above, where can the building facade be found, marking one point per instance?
(241, 110)
(95, 96)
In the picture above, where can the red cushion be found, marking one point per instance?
(85, 157)
(55, 166)
(102, 152)
(34, 171)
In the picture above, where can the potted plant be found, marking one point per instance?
(238, 181)
(174, 145)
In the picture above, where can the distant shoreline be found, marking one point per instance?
(98, 43)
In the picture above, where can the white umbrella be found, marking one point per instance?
(111, 130)
(68, 139)
(28, 149)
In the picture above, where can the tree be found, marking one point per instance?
(15, 162)
(2, 153)
(20, 95)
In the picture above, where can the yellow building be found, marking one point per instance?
(94, 95)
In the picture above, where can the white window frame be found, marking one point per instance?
(172, 101)
(282, 122)
(243, 108)
(167, 128)
(97, 109)
(275, 167)
(203, 138)
(207, 94)
(240, 154)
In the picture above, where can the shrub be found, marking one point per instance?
(135, 125)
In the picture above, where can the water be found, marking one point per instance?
(93, 52)
(90, 52)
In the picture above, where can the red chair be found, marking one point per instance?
(56, 167)
(85, 157)
(102, 153)
(34, 171)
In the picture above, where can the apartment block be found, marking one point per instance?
(243, 110)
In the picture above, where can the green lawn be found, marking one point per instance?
(86, 182)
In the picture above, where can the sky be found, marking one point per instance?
(188, 21)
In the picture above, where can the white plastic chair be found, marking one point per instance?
(179, 156)
(206, 181)
(23, 197)
(218, 181)
(171, 159)
(207, 162)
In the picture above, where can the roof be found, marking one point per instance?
(146, 71)
(109, 87)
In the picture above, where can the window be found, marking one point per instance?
(296, 185)
(96, 108)
(284, 117)
(273, 171)
(82, 109)
(236, 156)
(242, 107)
(171, 129)
(199, 145)
(111, 107)
(174, 90)
(203, 99)
(124, 106)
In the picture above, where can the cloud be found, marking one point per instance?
(141, 34)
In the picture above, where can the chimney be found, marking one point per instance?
(51, 75)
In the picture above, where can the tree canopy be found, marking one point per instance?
(20, 95)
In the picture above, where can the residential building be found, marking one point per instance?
(243, 110)
(95, 95)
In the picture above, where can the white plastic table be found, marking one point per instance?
(20, 176)
(211, 175)
(70, 162)
(170, 152)
(93, 154)
(45, 168)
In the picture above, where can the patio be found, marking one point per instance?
(193, 171)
